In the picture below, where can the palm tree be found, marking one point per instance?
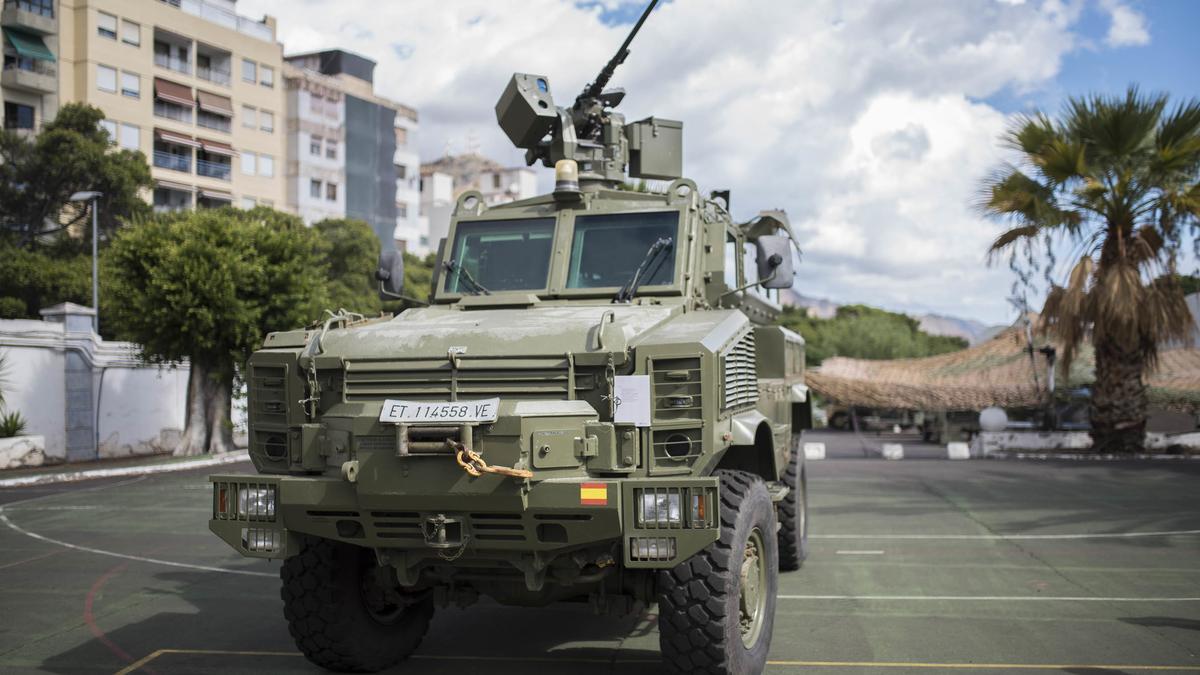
(1115, 181)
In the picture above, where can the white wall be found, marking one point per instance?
(142, 410)
(34, 384)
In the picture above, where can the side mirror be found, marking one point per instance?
(390, 274)
(775, 261)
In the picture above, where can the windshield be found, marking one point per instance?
(607, 249)
(500, 255)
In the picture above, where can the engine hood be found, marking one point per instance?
(432, 331)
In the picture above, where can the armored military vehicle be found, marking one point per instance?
(592, 408)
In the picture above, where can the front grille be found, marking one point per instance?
(741, 376)
(677, 389)
(228, 506)
(547, 379)
(268, 394)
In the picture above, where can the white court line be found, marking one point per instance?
(985, 598)
(986, 537)
(114, 554)
(860, 552)
(137, 470)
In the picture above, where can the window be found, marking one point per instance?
(401, 172)
(266, 166)
(130, 138)
(314, 189)
(266, 76)
(106, 79)
(316, 103)
(248, 164)
(39, 7)
(401, 210)
(401, 136)
(496, 180)
(210, 120)
(248, 203)
(106, 25)
(331, 148)
(131, 33)
(314, 146)
(266, 121)
(111, 127)
(131, 84)
(607, 250)
(249, 70)
(500, 255)
(331, 191)
(249, 117)
(18, 116)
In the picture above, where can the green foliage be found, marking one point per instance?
(12, 424)
(418, 276)
(71, 154)
(1189, 283)
(863, 332)
(34, 279)
(350, 251)
(207, 285)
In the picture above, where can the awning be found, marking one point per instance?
(170, 185)
(173, 92)
(217, 194)
(176, 138)
(214, 103)
(28, 44)
(218, 148)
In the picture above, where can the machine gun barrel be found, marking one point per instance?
(593, 90)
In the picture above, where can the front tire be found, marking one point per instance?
(716, 610)
(793, 514)
(325, 600)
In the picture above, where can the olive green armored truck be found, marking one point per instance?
(595, 406)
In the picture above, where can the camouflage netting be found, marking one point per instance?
(998, 372)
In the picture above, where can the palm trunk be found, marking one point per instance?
(1118, 412)
(208, 428)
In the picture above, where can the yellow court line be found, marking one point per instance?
(144, 661)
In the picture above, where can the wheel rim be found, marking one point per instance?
(753, 592)
(376, 602)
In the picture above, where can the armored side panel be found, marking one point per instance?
(526, 109)
(655, 148)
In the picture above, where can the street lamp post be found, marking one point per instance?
(94, 198)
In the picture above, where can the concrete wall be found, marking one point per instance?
(59, 375)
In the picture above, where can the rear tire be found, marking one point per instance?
(793, 515)
(716, 610)
(324, 601)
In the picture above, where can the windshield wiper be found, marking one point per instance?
(631, 287)
(461, 274)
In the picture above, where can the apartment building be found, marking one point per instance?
(29, 80)
(350, 152)
(443, 180)
(191, 84)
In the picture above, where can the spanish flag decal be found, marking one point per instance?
(593, 494)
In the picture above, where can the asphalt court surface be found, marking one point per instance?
(916, 566)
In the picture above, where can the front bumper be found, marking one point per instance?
(553, 516)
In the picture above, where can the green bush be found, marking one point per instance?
(11, 424)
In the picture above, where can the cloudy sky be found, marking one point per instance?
(870, 122)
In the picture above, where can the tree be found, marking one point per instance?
(71, 154)
(350, 251)
(206, 286)
(1116, 180)
(862, 332)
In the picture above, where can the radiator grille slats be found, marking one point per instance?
(368, 382)
(741, 376)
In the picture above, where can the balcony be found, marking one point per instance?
(221, 77)
(213, 121)
(36, 16)
(32, 75)
(170, 62)
(218, 170)
(171, 111)
(173, 161)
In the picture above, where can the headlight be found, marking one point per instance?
(660, 509)
(256, 502)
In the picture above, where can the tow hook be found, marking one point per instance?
(444, 534)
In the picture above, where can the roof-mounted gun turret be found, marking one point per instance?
(590, 132)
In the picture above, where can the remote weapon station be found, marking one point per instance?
(594, 407)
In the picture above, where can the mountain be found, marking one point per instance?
(970, 330)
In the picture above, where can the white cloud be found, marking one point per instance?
(1128, 28)
(860, 118)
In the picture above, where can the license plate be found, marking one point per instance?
(449, 412)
